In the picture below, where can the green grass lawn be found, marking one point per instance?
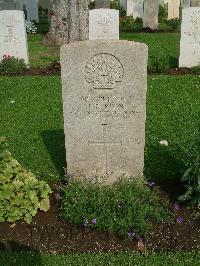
(43, 56)
(120, 258)
(169, 42)
(34, 124)
(40, 55)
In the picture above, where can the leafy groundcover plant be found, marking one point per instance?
(129, 207)
(11, 65)
(21, 194)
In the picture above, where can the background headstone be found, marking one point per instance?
(190, 38)
(150, 17)
(104, 98)
(173, 9)
(129, 7)
(195, 3)
(32, 10)
(185, 3)
(13, 40)
(138, 8)
(102, 3)
(104, 24)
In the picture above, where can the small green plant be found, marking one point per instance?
(158, 60)
(195, 70)
(11, 65)
(162, 13)
(173, 23)
(21, 194)
(192, 178)
(126, 23)
(127, 207)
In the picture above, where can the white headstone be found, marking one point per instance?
(104, 87)
(13, 40)
(185, 3)
(104, 24)
(173, 9)
(150, 17)
(129, 8)
(138, 8)
(190, 38)
(32, 10)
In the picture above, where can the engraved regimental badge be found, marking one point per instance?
(103, 71)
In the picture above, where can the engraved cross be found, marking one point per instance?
(105, 142)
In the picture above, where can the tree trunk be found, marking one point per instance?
(69, 22)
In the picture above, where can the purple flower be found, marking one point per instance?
(151, 184)
(141, 239)
(85, 223)
(179, 220)
(176, 207)
(94, 221)
(131, 234)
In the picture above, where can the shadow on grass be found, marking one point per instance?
(13, 253)
(54, 140)
(166, 167)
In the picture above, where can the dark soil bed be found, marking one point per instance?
(55, 69)
(48, 234)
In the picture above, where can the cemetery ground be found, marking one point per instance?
(32, 117)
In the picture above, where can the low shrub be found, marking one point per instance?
(11, 65)
(21, 194)
(126, 24)
(173, 23)
(127, 207)
(159, 60)
(195, 70)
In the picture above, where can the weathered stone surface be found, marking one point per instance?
(190, 38)
(150, 18)
(104, 24)
(102, 3)
(13, 40)
(173, 9)
(129, 7)
(195, 3)
(104, 87)
(138, 8)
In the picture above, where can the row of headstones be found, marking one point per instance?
(136, 8)
(103, 25)
(31, 6)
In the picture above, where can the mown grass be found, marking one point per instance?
(40, 55)
(169, 42)
(120, 258)
(34, 124)
(43, 56)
